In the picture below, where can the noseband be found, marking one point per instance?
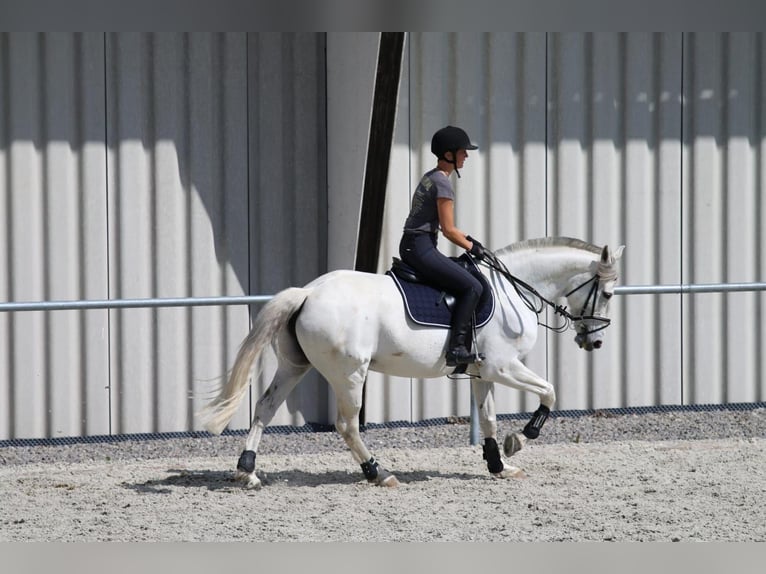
(493, 262)
(592, 297)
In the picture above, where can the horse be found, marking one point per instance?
(346, 323)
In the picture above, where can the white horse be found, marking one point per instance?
(346, 323)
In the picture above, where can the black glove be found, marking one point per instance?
(477, 249)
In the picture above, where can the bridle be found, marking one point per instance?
(491, 261)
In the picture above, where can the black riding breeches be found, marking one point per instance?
(418, 250)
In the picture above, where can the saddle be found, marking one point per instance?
(429, 306)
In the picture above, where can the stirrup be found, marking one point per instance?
(461, 356)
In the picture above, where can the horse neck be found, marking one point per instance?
(553, 271)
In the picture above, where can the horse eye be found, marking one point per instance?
(607, 294)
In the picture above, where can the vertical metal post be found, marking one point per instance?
(382, 121)
(474, 421)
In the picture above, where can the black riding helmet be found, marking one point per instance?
(450, 138)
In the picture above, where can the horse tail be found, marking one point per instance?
(272, 318)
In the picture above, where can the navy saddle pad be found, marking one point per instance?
(432, 307)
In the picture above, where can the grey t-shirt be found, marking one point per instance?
(424, 214)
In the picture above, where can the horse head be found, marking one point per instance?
(592, 298)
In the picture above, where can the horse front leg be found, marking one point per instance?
(515, 441)
(519, 376)
(483, 394)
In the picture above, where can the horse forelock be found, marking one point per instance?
(606, 271)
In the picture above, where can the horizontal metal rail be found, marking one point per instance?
(255, 299)
(133, 303)
(704, 288)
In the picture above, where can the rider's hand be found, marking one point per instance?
(477, 249)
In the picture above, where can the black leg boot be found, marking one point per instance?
(458, 353)
(459, 348)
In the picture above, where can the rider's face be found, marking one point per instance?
(460, 157)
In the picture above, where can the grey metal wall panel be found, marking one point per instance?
(494, 86)
(351, 70)
(723, 191)
(649, 139)
(6, 320)
(24, 224)
(140, 165)
(54, 365)
(759, 147)
(614, 180)
(221, 129)
(568, 190)
(148, 122)
(219, 201)
(288, 184)
(703, 180)
(742, 227)
(151, 165)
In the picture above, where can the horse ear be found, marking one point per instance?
(608, 258)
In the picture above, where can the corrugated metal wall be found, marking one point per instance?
(650, 140)
(53, 162)
(723, 212)
(151, 165)
(142, 165)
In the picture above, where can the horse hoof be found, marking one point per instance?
(385, 478)
(390, 481)
(513, 443)
(252, 482)
(510, 472)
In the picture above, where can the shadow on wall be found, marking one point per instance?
(185, 165)
(238, 119)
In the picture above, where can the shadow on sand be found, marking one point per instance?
(223, 480)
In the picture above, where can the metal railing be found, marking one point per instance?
(680, 289)
(133, 303)
(255, 299)
(87, 304)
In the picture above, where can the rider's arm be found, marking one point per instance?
(446, 208)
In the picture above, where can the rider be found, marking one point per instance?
(433, 205)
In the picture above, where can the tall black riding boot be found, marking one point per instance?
(459, 348)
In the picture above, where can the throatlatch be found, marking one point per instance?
(532, 430)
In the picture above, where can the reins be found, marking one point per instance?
(492, 261)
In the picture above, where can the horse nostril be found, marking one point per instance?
(597, 344)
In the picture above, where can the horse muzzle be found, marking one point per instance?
(589, 341)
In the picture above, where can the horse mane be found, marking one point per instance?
(528, 244)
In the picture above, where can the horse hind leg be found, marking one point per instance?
(285, 379)
(348, 391)
(347, 424)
